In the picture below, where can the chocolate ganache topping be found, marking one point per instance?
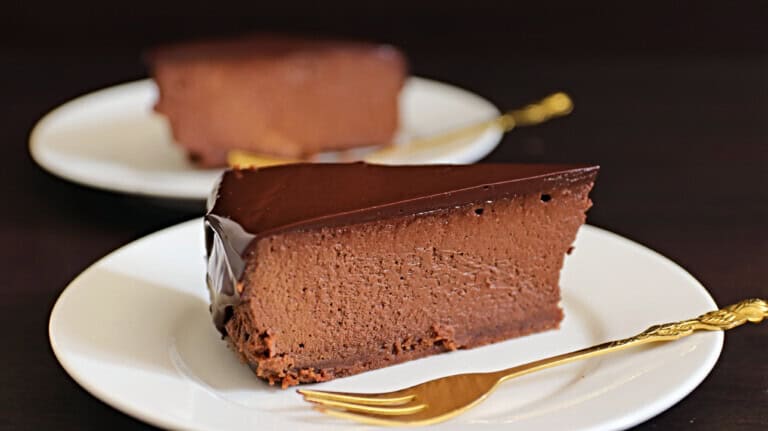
(255, 203)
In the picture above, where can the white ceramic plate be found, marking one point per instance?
(111, 139)
(134, 330)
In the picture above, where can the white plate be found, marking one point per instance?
(111, 139)
(134, 330)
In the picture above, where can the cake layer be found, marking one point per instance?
(378, 265)
(277, 95)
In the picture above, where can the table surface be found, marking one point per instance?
(673, 105)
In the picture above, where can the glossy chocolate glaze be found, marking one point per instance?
(255, 203)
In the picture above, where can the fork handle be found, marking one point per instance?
(555, 105)
(750, 310)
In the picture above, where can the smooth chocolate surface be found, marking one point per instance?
(251, 204)
(307, 195)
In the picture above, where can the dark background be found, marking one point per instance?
(671, 99)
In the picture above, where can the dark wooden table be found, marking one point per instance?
(671, 100)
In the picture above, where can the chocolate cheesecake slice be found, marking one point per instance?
(277, 95)
(318, 271)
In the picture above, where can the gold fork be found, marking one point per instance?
(440, 399)
(555, 105)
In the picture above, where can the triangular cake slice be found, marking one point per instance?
(318, 271)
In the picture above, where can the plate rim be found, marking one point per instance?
(633, 418)
(71, 371)
(36, 147)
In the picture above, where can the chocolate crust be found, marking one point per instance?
(282, 369)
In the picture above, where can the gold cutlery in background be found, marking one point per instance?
(552, 106)
(440, 399)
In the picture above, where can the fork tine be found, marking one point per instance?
(363, 399)
(370, 420)
(375, 410)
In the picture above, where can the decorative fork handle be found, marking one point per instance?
(552, 106)
(749, 310)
